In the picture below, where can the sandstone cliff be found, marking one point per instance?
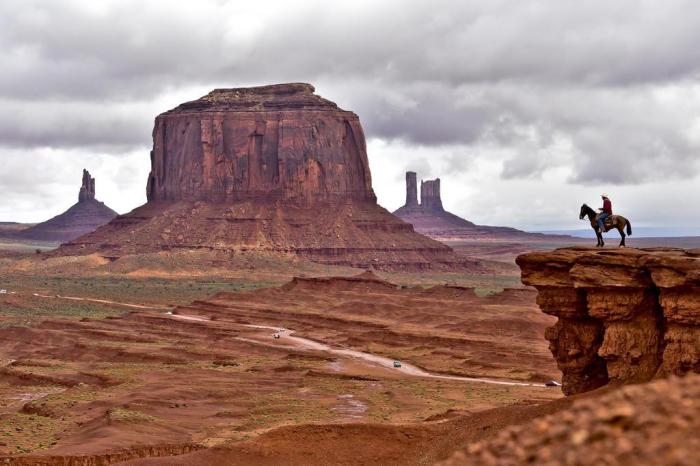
(273, 169)
(83, 217)
(262, 143)
(625, 315)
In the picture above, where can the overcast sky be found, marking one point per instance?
(524, 109)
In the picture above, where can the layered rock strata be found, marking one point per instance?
(273, 168)
(81, 218)
(279, 142)
(625, 315)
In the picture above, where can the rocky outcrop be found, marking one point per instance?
(87, 190)
(271, 169)
(85, 216)
(654, 424)
(625, 315)
(430, 195)
(277, 142)
(431, 219)
(411, 190)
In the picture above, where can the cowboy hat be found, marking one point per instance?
(604, 195)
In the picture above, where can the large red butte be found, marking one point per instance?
(277, 142)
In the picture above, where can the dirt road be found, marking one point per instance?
(287, 335)
(101, 301)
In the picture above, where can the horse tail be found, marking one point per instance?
(629, 228)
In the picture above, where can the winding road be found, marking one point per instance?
(101, 301)
(306, 344)
(287, 335)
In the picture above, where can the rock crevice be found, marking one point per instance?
(625, 316)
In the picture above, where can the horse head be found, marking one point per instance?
(584, 211)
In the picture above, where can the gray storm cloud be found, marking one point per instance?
(607, 90)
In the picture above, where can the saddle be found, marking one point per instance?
(608, 221)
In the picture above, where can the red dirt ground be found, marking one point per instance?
(150, 384)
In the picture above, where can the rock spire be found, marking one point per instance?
(87, 190)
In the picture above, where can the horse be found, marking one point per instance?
(618, 221)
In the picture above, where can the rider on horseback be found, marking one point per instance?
(605, 212)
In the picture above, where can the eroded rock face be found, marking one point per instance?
(267, 143)
(87, 190)
(625, 315)
(430, 195)
(411, 190)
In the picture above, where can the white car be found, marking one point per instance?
(552, 383)
(3, 291)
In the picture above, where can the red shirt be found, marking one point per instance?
(607, 206)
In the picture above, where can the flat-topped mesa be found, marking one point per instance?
(278, 142)
(87, 190)
(625, 315)
(430, 195)
(411, 190)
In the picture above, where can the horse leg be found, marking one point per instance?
(622, 239)
(599, 236)
(602, 243)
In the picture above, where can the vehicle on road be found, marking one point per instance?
(276, 336)
(552, 383)
(397, 364)
(3, 291)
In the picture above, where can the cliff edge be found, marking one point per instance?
(625, 315)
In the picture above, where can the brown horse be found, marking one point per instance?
(618, 221)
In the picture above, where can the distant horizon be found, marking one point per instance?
(638, 232)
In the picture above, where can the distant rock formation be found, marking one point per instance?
(272, 168)
(87, 190)
(411, 190)
(431, 219)
(430, 195)
(81, 218)
(625, 315)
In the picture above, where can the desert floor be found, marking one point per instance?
(159, 355)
